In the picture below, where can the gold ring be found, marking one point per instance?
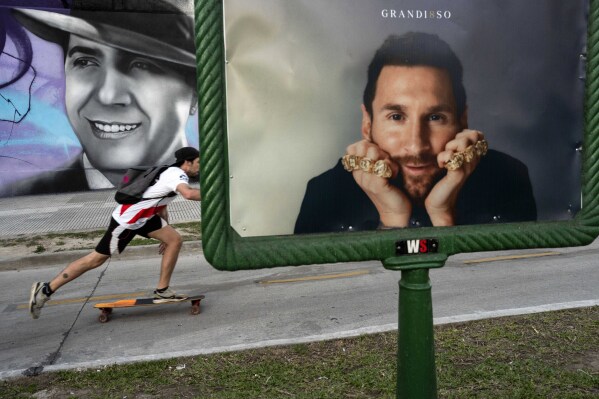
(345, 162)
(481, 147)
(458, 159)
(468, 154)
(455, 162)
(366, 165)
(381, 169)
(351, 162)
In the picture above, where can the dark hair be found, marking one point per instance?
(416, 49)
(185, 154)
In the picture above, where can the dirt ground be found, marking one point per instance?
(42, 244)
(24, 245)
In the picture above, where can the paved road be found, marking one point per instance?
(268, 307)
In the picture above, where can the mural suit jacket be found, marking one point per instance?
(68, 178)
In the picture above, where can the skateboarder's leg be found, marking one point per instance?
(41, 292)
(115, 239)
(77, 268)
(172, 245)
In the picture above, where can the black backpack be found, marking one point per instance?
(136, 181)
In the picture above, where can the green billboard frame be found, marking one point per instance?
(227, 250)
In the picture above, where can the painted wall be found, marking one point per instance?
(40, 149)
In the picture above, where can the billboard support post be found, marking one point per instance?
(416, 373)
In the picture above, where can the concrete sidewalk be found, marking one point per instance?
(71, 212)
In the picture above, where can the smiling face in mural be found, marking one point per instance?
(126, 109)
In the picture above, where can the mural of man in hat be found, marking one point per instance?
(129, 90)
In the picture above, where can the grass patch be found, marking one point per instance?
(142, 241)
(547, 355)
(40, 249)
(67, 241)
(190, 227)
(81, 235)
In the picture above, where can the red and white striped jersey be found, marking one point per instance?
(134, 216)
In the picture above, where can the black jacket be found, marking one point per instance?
(68, 178)
(499, 190)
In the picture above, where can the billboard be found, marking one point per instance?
(88, 94)
(348, 130)
(296, 76)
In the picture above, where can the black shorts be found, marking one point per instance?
(118, 237)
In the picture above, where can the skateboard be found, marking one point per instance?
(106, 308)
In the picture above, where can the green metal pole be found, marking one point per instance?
(416, 373)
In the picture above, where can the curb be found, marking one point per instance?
(133, 252)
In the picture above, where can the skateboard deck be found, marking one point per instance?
(106, 308)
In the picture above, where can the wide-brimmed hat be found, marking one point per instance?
(163, 36)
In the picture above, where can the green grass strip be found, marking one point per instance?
(545, 355)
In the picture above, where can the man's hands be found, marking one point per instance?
(440, 202)
(393, 204)
(460, 156)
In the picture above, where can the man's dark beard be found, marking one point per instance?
(418, 187)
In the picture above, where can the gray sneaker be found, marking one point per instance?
(168, 296)
(37, 299)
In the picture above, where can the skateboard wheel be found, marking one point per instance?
(195, 307)
(104, 315)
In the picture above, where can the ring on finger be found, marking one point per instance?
(382, 169)
(481, 147)
(458, 159)
(455, 162)
(366, 165)
(468, 154)
(351, 162)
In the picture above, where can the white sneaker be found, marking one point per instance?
(168, 296)
(37, 299)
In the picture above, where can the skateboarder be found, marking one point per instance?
(148, 218)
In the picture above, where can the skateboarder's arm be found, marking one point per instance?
(188, 192)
